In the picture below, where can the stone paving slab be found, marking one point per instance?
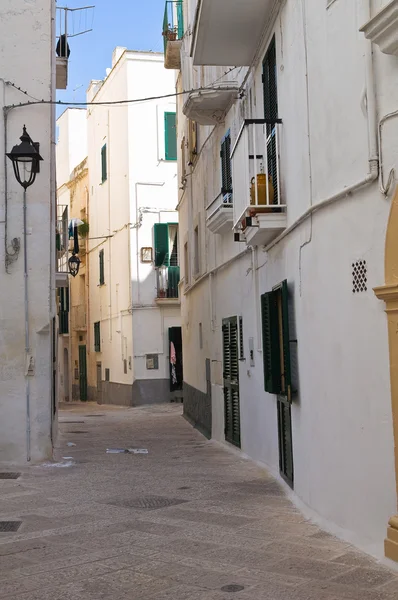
(108, 528)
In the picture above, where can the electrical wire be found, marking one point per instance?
(109, 103)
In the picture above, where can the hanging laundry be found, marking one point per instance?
(75, 240)
(173, 355)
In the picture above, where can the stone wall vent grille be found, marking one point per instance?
(359, 277)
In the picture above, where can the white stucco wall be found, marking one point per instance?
(341, 419)
(20, 57)
(71, 150)
(141, 190)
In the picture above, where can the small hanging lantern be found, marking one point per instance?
(25, 159)
(74, 265)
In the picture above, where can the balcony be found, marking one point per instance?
(168, 279)
(259, 211)
(173, 31)
(62, 247)
(208, 107)
(228, 32)
(382, 29)
(220, 214)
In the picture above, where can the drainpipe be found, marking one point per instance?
(370, 93)
(109, 223)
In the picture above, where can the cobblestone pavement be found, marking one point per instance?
(187, 521)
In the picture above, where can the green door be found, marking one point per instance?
(83, 373)
(231, 381)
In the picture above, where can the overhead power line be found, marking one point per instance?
(114, 102)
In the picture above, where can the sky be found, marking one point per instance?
(135, 24)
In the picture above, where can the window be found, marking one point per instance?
(196, 251)
(101, 268)
(107, 375)
(146, 255)
(226, 170)
(166, 244)
(276, 341)
(186, 264)
(192, 141)
(170, 135)
(97, 337)
(63, 311)
(152, 362)
(104, 165)
(200, 336)
(270, 91)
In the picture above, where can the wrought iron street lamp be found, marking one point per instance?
(74, 265)
(25, 159)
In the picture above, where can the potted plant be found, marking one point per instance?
(171, 33)
(83, 228)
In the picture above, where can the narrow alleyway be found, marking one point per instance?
(187, 521)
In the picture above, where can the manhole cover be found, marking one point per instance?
(9, 475)
(148, 503)
(10, 526)
(77, 432)
(232, 588)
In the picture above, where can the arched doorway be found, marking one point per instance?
(66, 375)
(389, 293)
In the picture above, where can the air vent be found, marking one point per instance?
(359, 277)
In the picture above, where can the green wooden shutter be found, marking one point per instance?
(97, 337)
(271, 345)
(270, 83)
(231, 381)
(161, 235)
(226, 169)
(101, 268)
(170, 135)
(286, 375)
(227, 377)
(104, 166)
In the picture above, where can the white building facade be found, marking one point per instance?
(283, 206)
(71, 152)
(135, 327)
(27, 272)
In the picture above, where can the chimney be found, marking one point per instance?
(117, 53)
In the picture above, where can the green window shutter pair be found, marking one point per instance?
(170, 135)
(161, 235)
(231, 380)
(101, 268)
(97, 337)
(104, 165)
(270, 83)
(226, 169)
(276, 341)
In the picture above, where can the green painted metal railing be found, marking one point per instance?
(173, 22)
(173, 281)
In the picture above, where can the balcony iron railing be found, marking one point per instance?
(168, 279)
(256, 171)
(219, 213)
(173, 22)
